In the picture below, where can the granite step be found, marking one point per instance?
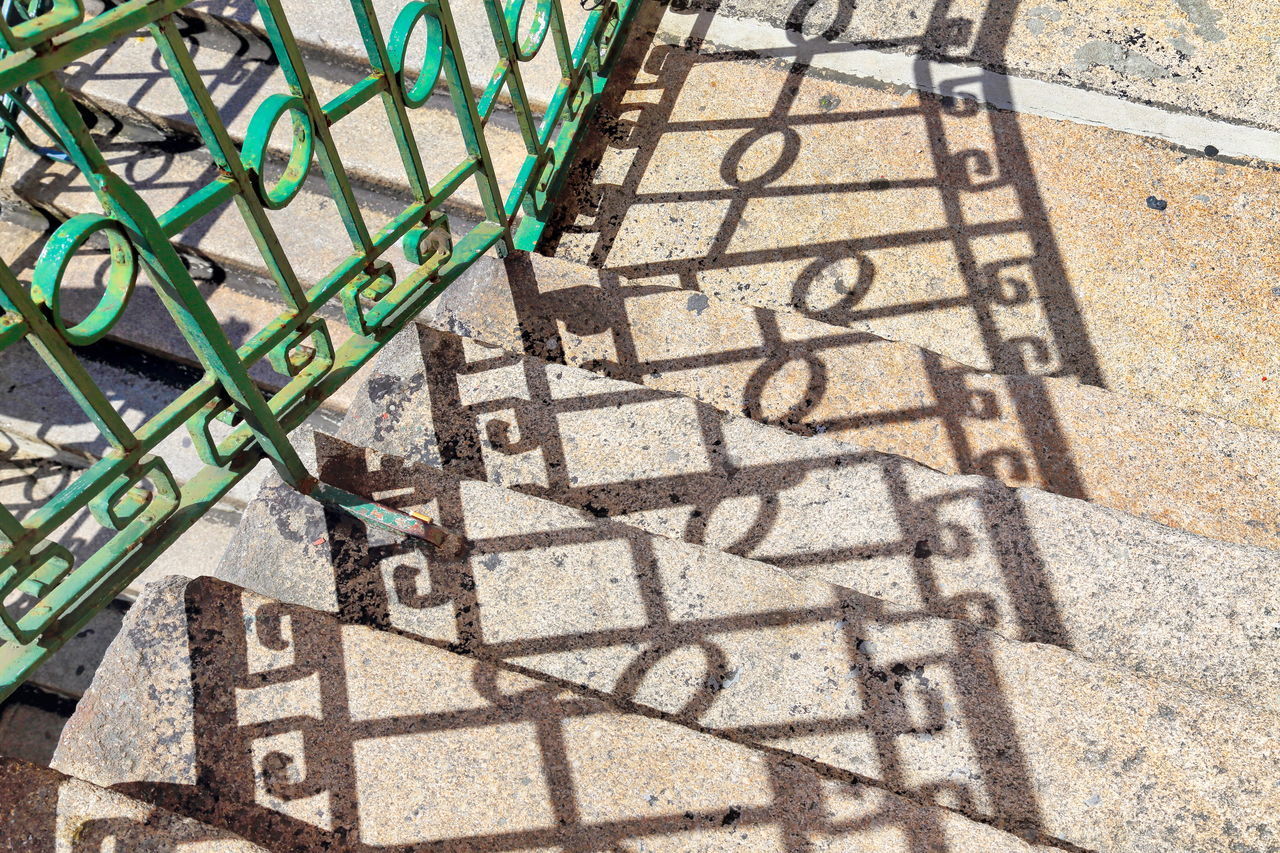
(135, 95)
(1025, 736)
(327, 29)
(1192, 471)
(1032, 565)
(27, 483)
(1204, 57)
(43, 810)
(1005, 241)
(302, 733)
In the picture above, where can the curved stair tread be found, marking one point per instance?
(1033, 565)
(1010, 732)
(1129, 452)
(303, 733)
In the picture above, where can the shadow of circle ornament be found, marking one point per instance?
(258, 138)
(433, 60)
(831, 289)
(731, 166)
(51, 270)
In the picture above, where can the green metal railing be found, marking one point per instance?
(232, 423)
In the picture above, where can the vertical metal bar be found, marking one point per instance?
(226, 156)
(170, 276)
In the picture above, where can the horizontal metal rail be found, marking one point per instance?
(232, 423)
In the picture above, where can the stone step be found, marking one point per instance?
(27, 483)
(244, 305)
(128, 83)
(1034, 566)
(1009, 242)
(328, 28)
(1021, 735)
(39, 417)
(309, 229)
(1198, 56)
(303, 733)
(41, 809)
(1188, 470)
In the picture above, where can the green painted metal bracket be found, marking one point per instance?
(46, 593)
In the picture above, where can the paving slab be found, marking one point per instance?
(1007, 242)
(1032, 565)
(43, 810)
(301, 733)
(1201, 56)
(1188, 470)
(1027, 95)
(1018, 734)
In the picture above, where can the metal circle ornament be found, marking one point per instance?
(527, 48)
(401, 33)
(51, 270)
(258, 138)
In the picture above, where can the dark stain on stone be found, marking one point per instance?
(698, 303)
(1156, 203)
(731, 816)
(922, 550)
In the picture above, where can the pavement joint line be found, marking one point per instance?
(1002, 91)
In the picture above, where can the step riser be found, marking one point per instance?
(937, 709)
(305, 734)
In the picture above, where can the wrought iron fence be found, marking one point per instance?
(233, 424)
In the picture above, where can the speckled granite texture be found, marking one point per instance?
(1007, 242)
(1021, 734)
(1189, 470)
(304, 734)
(1211, 57)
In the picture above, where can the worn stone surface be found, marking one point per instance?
(43, 810)
(147, 324)
(1131, 453)
(307, 734)
(1202, 56)
(1020, 733)
(124, 80)
(34, 405)
(1007, 242)
(1032, 565)
(329, 25)
(309, 229)
(27, 485)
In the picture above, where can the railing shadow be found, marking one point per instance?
(966, 242)
(313, 733)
